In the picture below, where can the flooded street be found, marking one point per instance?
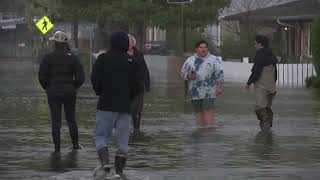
(171, 147)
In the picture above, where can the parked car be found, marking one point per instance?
(156, 48)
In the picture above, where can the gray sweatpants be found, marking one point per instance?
(106, 121)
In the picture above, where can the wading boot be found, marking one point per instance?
(120, 163)
(104, 159)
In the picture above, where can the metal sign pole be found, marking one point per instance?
(90, 51)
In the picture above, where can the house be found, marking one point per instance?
(288, 24)
(15, 38)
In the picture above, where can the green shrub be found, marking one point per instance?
(312, 82)
(315, 44)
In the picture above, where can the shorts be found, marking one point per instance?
(201, 105)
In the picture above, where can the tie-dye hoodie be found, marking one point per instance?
(209, 72)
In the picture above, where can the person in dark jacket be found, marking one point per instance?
(61, 75)
(137, 103)
(264, 77)
(115, 79)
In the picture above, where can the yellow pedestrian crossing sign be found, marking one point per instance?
(44, 25)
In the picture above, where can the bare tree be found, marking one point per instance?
(237, 35)
(240, 6)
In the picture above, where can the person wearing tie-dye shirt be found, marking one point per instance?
(205, 77)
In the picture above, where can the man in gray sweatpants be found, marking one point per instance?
(115, 80)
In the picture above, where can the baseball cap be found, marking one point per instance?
(59, 36)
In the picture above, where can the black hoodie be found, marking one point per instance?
(143, 68)
(264, 57)
(115, 77)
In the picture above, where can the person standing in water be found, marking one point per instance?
(61, 75)
(115, 80)
(264, 78)
(205, 76)
(137, 103)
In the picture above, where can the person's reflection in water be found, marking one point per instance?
(203, 134)
(55, 162)
(70, 160)
(61, 164)
(201, 143)
(264, 145)
(137, 136)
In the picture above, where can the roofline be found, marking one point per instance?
(255, 10)
(238, 16)
(309, 17)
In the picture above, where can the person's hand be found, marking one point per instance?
(192, 76)
(219, 89)
(247, 87)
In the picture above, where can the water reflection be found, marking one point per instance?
(264, 146)
(170, 145)
(61, 163)
(200, 133)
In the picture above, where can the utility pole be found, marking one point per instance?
(183, 27)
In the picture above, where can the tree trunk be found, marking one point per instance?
(101, 39)
(75, 33)
(141, 34)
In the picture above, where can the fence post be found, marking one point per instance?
(287, 74)
(282, 74)
(302, 76)
(297, 74)
(292, 79)
(278, 74)
(307, 70)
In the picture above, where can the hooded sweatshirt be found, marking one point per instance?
(209, 72)
(115, 77)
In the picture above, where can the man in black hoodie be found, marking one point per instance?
(115, 80)
(264, 77)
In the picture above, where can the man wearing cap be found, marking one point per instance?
(115, 79)
(61, 75)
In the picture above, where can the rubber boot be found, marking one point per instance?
(76, 146)
(266, 119)
(136, 121)
(270, 112)
(104, 159)
(120, 163)
(259, 113)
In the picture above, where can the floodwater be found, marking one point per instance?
(171, 147)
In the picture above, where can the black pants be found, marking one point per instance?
(136, 111)
(69, 104)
